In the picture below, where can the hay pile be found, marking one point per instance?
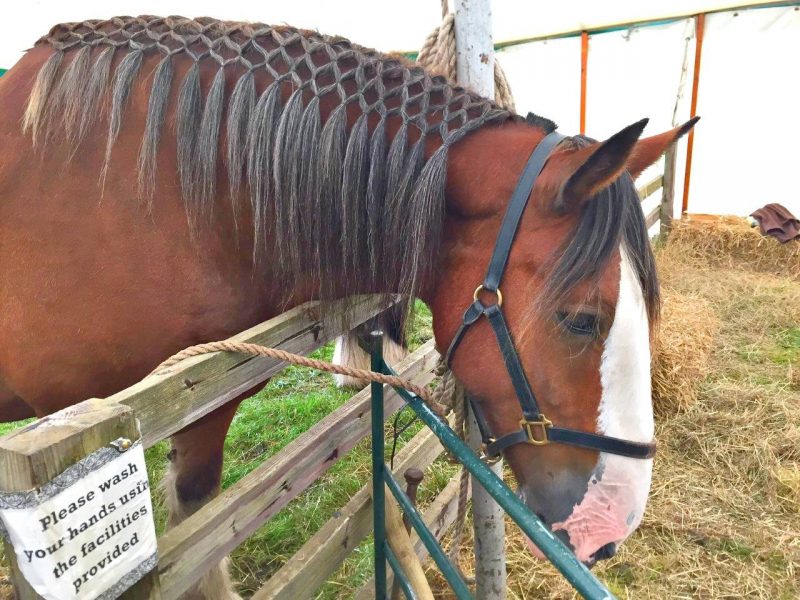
(681, 350)
(723, 519)
(730, 242)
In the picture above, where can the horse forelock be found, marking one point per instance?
(336, 194)
(613, 218)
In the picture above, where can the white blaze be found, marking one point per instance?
(615, 499)
(626, 408)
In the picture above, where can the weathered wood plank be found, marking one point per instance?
(32, 455)
(35, 454)
(210, 534)
(439, 516)
(320, 556)
(171, 399)
(650, 187)
(653, 216)
(668, 195)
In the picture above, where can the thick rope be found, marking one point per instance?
(296, 359)
(438, 55)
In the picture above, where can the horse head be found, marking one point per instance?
(579, 298)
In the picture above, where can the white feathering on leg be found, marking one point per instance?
(349, 353)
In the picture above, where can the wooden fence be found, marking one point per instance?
(164, 403)
(663, 211)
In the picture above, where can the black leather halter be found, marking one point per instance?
(535, 428)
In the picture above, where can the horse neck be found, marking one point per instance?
(483, 170)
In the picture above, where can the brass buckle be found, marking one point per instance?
(497, 293)
(542, 423)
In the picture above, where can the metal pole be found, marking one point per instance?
(584, 70)
(378, 466)
(700, 25)
(475, 71)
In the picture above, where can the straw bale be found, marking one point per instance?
(724, 241)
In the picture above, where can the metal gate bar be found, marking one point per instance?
(564, 560)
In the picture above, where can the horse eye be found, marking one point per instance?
(585, 324)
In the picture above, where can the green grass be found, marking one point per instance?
(8, 427)
(736, 548)
(788, 347)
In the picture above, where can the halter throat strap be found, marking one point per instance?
(535, 428)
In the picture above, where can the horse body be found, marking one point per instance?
(102, 282)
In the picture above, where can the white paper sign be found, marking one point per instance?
(88, 533)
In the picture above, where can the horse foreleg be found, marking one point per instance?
(12, 407)
(350, 350)
(193, 479)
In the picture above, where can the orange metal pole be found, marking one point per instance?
(584, 62)
(700, 22)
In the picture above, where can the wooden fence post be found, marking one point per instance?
(668, 191)
(488, 525)
(475, 70)
(32, 456)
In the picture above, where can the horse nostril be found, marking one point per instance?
(605, 552)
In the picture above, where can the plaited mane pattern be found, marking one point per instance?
(325, 188)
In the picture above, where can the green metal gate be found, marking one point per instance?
(564, 560)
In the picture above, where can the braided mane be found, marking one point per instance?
(324, 183)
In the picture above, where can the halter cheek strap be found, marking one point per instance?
(535, 428)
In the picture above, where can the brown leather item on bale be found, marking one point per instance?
(776, 220)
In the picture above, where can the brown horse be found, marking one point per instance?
(244, 169)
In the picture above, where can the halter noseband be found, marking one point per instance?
(535, 428)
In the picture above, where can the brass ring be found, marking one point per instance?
(496, 292)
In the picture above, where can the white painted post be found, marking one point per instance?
(475, 71)
(489, 527)
(474, 46)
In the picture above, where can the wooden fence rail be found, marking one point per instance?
(203, 539)
(168, 400)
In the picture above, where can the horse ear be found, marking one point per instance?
(648, 150)
(605, 162)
